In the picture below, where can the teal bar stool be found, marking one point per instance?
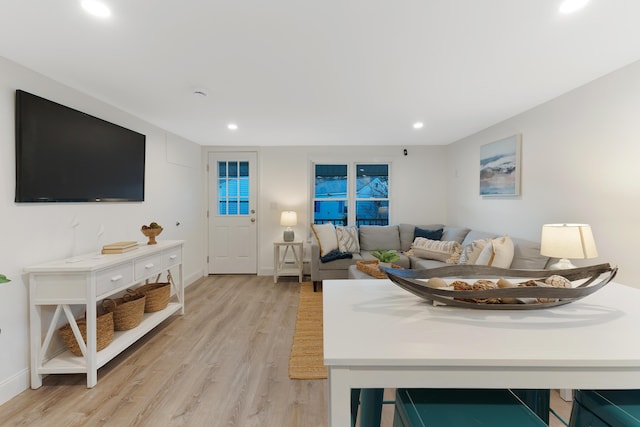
(605, 408)
(538, 400)
(462, 408)
(370, 401)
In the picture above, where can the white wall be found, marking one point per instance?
(35, 233)
(580, 163)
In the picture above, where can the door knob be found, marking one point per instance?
(253, 220)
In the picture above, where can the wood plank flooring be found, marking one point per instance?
(224, 363)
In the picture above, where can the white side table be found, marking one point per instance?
(280, 267)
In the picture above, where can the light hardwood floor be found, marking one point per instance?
(224, 363)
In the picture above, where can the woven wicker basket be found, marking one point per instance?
(156, 294)
(371, 268)
(104, 329)
(127, 311)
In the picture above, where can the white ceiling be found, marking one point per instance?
(323, 72)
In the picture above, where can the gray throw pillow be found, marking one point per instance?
(454, 234)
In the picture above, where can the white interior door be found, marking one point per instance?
(232, 213)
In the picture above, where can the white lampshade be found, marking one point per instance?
(567, 241)
(289, 219)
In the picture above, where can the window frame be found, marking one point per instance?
(232, 196)
(356, 199)
(351, 199)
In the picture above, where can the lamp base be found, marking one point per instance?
(288, 236)
(563, 264)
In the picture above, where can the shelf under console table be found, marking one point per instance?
(84, 281)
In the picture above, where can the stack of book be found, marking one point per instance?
(119, 247)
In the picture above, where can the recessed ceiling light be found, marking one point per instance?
(232, 126)
(570, 6)
(96, 8)
(418, 125)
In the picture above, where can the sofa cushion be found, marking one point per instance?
(407, 232)
(373, 237)
(448, 252)
(348, 238)
(526, 255)
(499, 253)
(425, 264)
(326, 237)
(454, 234)
(471, 251)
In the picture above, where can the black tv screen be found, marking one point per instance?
(64, 155)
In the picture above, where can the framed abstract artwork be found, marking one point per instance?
(500, 167)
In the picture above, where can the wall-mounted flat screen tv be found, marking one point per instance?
(64, 155)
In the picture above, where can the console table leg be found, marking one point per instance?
(35, 320)
(181, 288)
(92, 338)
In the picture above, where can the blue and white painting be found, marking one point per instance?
(500, 167)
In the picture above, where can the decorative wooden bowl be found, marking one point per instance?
(151, 233)
(535, 295)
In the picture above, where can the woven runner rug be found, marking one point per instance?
(306, 359)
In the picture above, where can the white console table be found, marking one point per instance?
(85, 280)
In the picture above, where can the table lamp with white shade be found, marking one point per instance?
(288, 219)
(567, 241)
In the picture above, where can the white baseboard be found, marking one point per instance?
(191, 279)
(14, 385)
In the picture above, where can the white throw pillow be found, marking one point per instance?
(447, 251)
(497, 254)
(348, 239)
(326, 237)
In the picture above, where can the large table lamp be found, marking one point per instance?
(567, 241)
(288, 219)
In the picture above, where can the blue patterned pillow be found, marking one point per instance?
(428, 234)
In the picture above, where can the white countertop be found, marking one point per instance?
(374, 322)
